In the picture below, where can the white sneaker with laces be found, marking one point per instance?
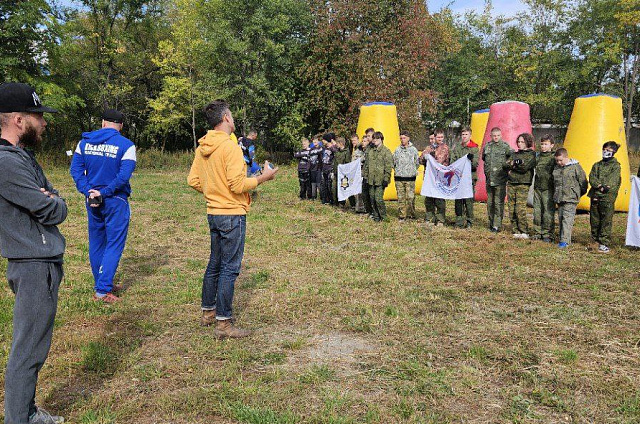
(603, 249)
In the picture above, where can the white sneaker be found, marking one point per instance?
(516, 235)
(603, 249)
(43, 417)
(524, 236)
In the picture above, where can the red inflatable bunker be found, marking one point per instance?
(513, 118)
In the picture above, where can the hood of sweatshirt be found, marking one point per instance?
(100, 136)
(212, 141)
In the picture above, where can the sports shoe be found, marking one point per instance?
(563, 245)
(517, 235)
(603, 249)
(440, 224)
(536, 237)
(107, 298)
(524, 236)
(494, 229)
(43, 417)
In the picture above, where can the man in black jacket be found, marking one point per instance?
(29, 238)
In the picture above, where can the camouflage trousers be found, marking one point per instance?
(518, 194)
(366, 197)
(376, 194)
(436, 209)
(601, 219)
(544, 211)
(495, 205)
(566, 217)
(464, 212)
(406, 199)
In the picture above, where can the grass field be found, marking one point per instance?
(355, 321)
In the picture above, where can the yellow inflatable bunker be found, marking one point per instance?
(596, 119)
(478, 125)
(383, 117)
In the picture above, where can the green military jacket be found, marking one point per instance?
(545, 163)
(459, 151)
(522, 174)
(605, 174)
(378, 165)
(340, 157)
(496, 158)
(570, 183)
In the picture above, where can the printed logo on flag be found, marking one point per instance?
(448, 182)
(344, 184)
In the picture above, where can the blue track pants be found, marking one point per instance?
(108, 227)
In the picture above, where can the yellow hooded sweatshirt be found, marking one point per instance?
(220, 173)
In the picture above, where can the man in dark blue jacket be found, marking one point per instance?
(101, 168)
(31, 210)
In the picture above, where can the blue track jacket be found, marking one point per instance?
(104, 160)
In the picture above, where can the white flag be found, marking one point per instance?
(448, 182)
(349, 180)
(633, 220)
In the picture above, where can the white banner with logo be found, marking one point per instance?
(349, 180)
(448, 182)
(633, 220)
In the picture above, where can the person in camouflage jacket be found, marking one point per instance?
(605, 180)
(523, 163)
(405, 165)
(496, 156)
(468, 148)
(569, 185)
(377, 171)
(544, 208)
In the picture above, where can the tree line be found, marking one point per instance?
(292, 68)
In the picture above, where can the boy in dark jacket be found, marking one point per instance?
(328, 140)
(303, 169)
(315, 165)
(569, 184)
(604, 179)
(520, 176)
(544, 208)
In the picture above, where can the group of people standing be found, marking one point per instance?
(558, 185)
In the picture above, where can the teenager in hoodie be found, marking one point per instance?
(29, 238)
(468, 148)
(605, 181)
(219, 172)
(101, 167)
(570, 184)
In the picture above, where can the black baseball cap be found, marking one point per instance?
(19, 97)
(113, 115)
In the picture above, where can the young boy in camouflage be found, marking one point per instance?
(436, 208)
(303, 170)
(405, 165)
(367, 146)
(468, 148)
(341, 156)
(377, 171)
(605, 180)
(519, 181)
(544, 208)
(496, 156)
(569, 184)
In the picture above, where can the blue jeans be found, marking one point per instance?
(227, 248)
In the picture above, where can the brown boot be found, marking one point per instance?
(225, 328)
(208, 318)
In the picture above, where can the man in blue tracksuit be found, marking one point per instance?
(101, 168)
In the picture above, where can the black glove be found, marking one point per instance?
(470, 156)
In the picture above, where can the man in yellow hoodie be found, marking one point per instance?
(220, 173)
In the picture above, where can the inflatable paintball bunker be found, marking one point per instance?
(596, 119)
(513, 118)
(383, 117)
(478, 125)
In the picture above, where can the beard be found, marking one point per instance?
(31, 138)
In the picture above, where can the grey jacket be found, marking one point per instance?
(29, 217)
